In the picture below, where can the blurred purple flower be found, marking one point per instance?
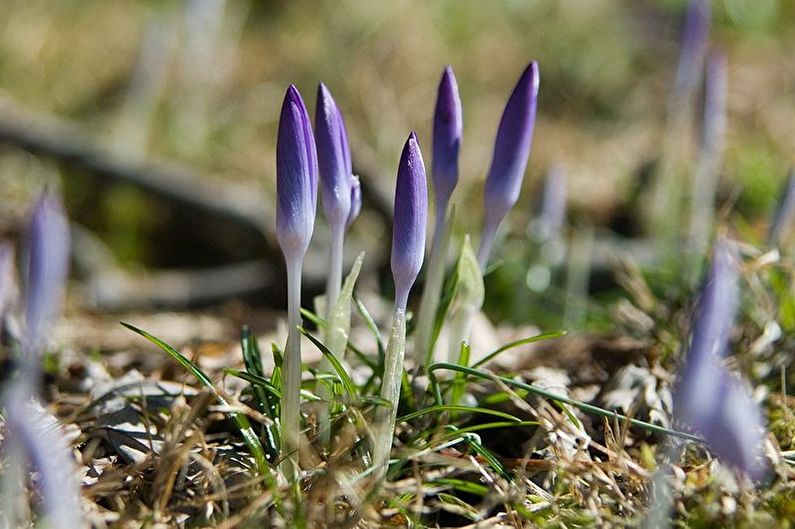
(46, 267)
(695, 40)
(553, 205)
(296, 177)
(411, 215)
(334, 158)
(712, 324)
(447, 132)
(511, 152)
(734, 428)
(34, 431)
(356, 201)
(707, 398)
(784, 214)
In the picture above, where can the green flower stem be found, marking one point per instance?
(291, 385)
(385, 417)
(423, 353)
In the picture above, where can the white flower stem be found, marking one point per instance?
(291, 371)
(333, 287)
(334, 281)
(426, 317)
(385, 417)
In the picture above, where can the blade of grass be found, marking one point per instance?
(459, 381)
(371, 325)
(241, 421)
(461, 409)
(517, 343)
(259, 382)
(486, 426)
(588, 408)
(345, 379)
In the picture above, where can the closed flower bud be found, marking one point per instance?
(734, 428)
(715, 404)
(334, 158)
(710, 335)
(356, 201)
(46, 266)
(512, 148)
(410, 218)
(296, 177)
(447, 131)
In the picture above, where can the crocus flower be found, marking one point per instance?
(296, 187)
(695, 38)
(734, 428)
(553, 205)
(334, 158)
(447, 132)
(411, 213)
(356, 201)
(511, 152)
(296, 177)
(707, 398)
(46, 267)
(408, 249)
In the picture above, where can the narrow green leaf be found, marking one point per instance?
(347, 383)
(459, 380)
(460, 409)
(517, 343)
(371, 325)
(336, 336)
(485, 426)
(588, 408)
(248, 434)
(463, 486)
(257, 381)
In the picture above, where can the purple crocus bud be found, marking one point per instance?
(356, 201)
(553, 204)
(334, 158)
(511, 152)
(695, 39)
(696, 389)
(46, 266)
(447, 131)
(411, 215)
(296, 177)
(734, 429)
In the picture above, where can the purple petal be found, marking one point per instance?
(411, 215)
(512, 148)
(696, 389)
(46, 267)
(334, 158)
(356, 201)
(734, 430)
(296, 177)
(447, 132)
(695, 39)
(553, 205)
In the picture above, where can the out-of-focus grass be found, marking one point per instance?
(606, 69)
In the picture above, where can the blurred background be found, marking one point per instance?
(157, 119)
